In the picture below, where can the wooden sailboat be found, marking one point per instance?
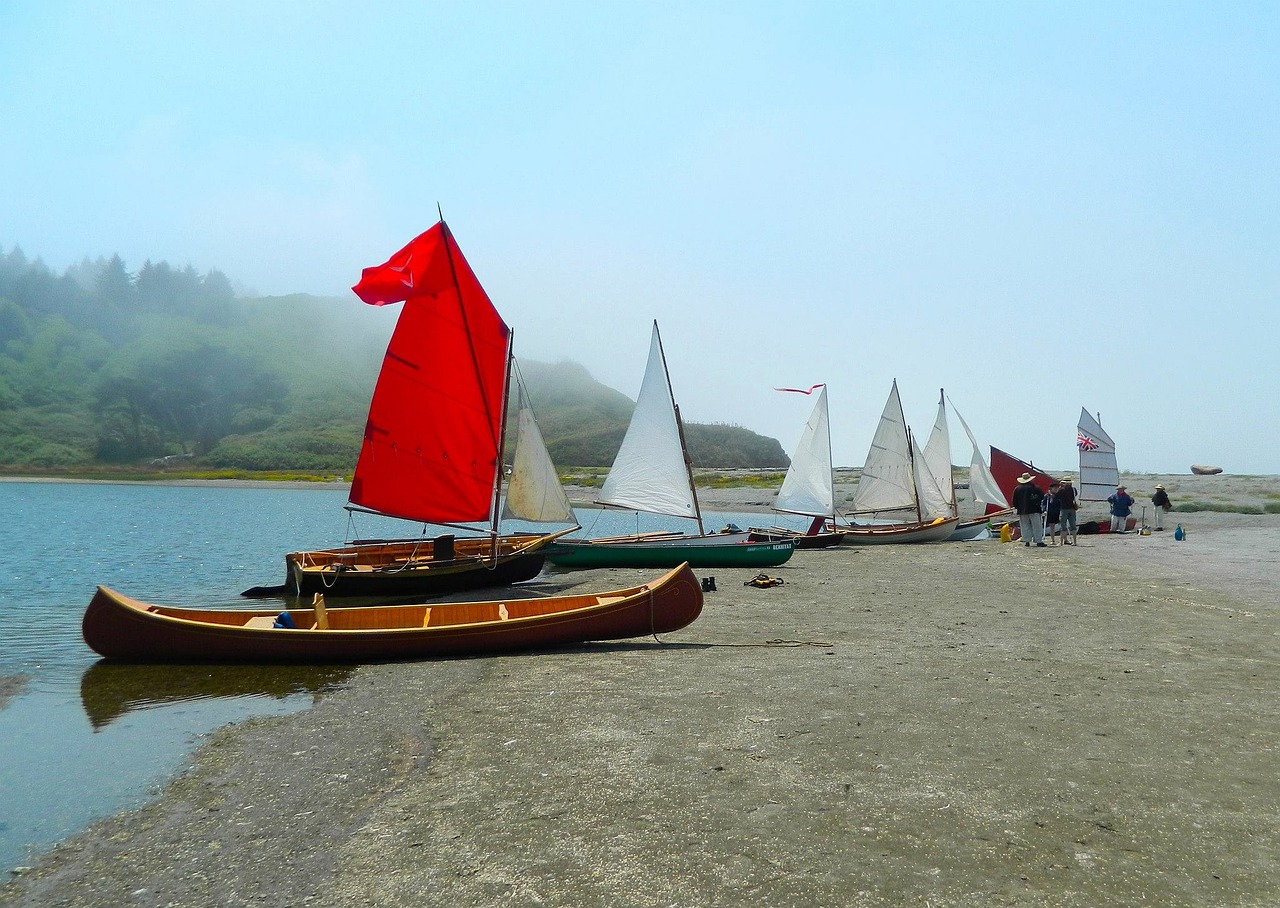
(937, 458)
(895, 481)
(808, 488)
(652, 473)
(434, 443)
(119, 627)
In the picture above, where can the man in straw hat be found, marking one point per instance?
(1068, 504)
(1162, 505)
(1026, 501)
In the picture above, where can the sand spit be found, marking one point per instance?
(947, 725)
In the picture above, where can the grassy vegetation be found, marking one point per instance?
(1226, 507)
(739, 480)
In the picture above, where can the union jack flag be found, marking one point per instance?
(1085, 443)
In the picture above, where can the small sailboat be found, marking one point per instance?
(937, 457)
(433, 448)
(118, 627)
(652, 473)
(1099, 472)
(896, 481)
(808, 488)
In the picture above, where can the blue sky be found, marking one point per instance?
(1038, 206)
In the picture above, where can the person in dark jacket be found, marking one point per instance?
(1067, 507)
(1162, 505)
(1026, 501)
(1052, 512)
(1121, 507)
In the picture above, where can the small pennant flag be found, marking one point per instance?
(1085, 443)
(802, 390)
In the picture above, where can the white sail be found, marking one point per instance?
(886, 483)
(937, 457)
(534, 492)
(933, 504)
(1098, 470)
(650, 474)
(807, 488)
(981, 483)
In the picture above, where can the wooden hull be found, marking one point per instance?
(900, 533)
(595, 554)
(118, 627)
(964, 532)
(801, 540)
(418, 567)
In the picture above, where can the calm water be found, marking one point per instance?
(81, 739)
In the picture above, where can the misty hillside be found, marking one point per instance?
(102, 367)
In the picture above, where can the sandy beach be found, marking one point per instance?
(961, 724)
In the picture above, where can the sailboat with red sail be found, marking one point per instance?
(433, 447)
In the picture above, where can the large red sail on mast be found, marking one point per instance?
(1005, 469)
(432, 443)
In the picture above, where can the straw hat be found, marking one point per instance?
(1025, 478)
(1066, 480)
(1158, 486)
(1120, 488)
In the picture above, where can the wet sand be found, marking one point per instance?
(944, 725)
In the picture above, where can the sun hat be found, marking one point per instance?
(1120, 488)
(1158, 486)
(1066, 480)
(1024, 478)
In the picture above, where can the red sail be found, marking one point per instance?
(1005, 469)
(432, 442)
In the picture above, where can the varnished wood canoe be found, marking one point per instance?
(118, 627)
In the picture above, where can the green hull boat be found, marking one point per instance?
(589, 554)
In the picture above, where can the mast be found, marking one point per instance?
(942, 405)
(911, 457)
(684, 448)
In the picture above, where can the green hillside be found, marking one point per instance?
(101, 368)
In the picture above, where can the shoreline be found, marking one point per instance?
(951, 724)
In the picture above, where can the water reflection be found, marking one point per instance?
(108, 690)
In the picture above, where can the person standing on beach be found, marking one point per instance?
(1026, 501)
(1121, 507)
(1052, 511)
(1067, 507)
(1162, 505)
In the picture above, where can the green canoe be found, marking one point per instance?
(585, 553)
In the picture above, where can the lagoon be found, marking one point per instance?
(80, 738)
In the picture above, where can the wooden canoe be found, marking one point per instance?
(412, 567)
(118, 627)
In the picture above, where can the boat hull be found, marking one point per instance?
(419, 567)
(801, 540)
(121, 628)
(589, 554)
(900, 533)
